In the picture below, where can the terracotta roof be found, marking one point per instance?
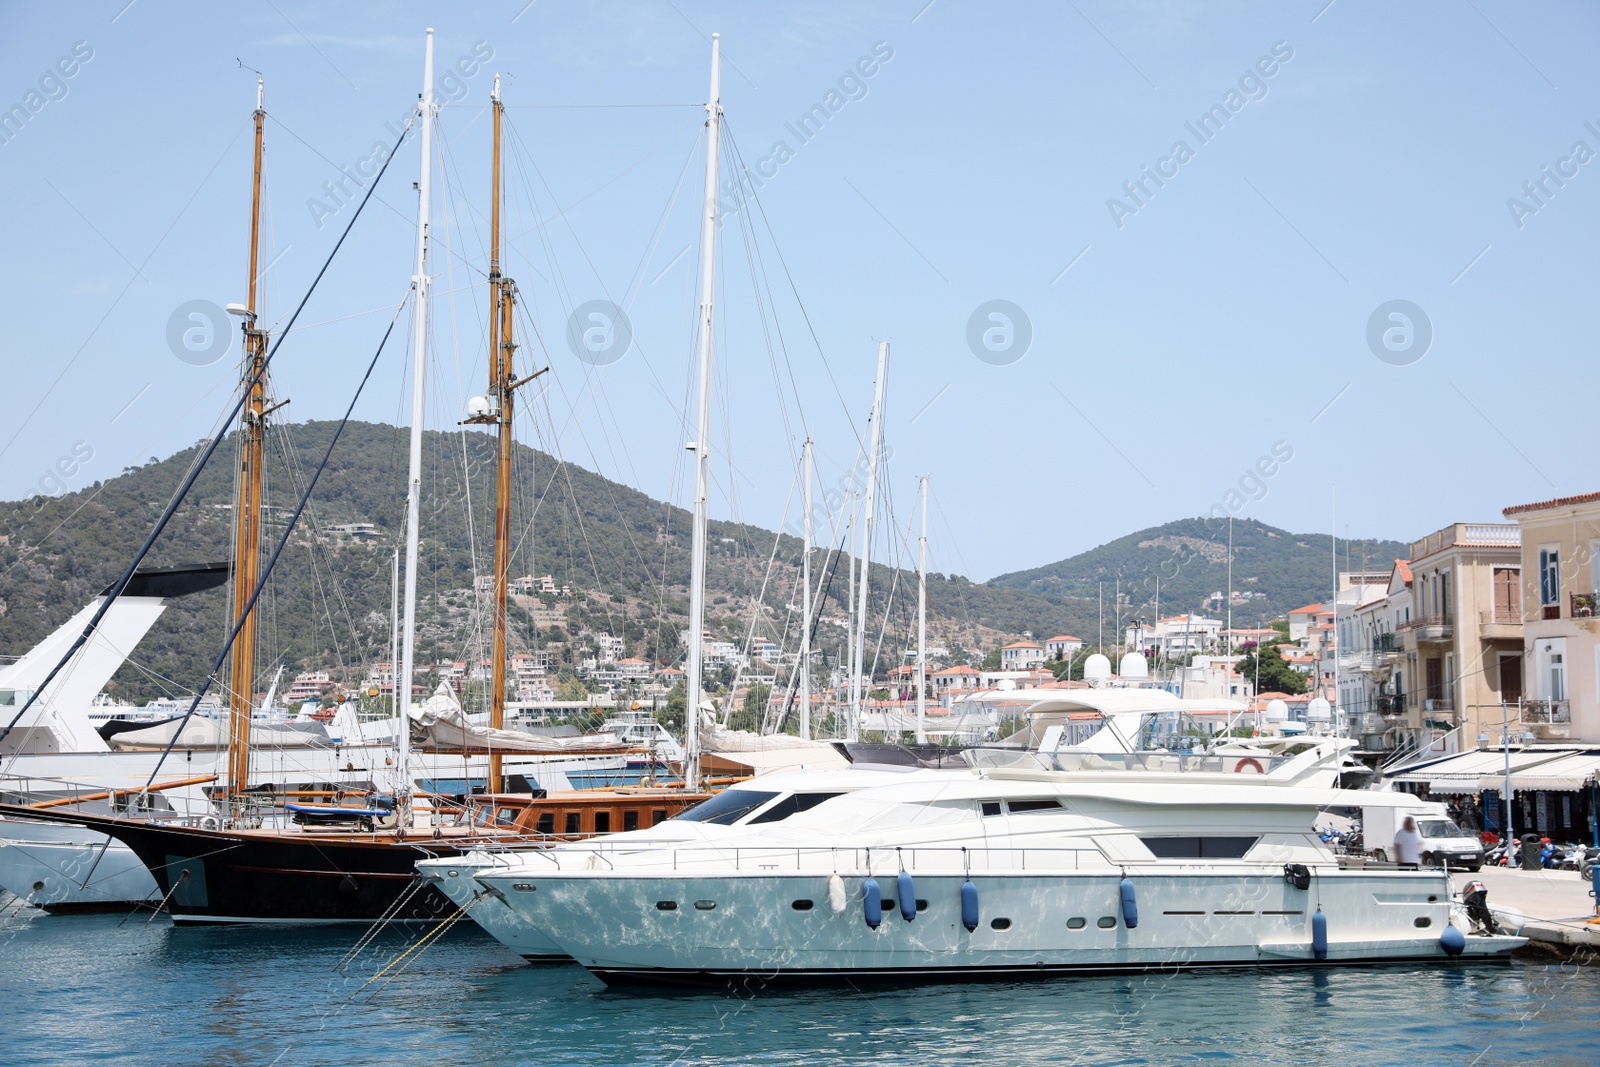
(1309, 609)
(1024, 644)
(1405, 570)
(956, 670)
(1067, 637)
(1558, 502)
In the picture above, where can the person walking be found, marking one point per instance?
(1408, 844)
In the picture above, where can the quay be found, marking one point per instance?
(1550, 908)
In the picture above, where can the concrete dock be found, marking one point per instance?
(1550, 908)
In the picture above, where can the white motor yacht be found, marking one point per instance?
(765, 800)
(1028, 863)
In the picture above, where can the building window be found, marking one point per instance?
(1549, 575)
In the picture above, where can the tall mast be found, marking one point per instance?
(852, 673)
(865, 683)
(805, 609)
(701, 446)
(247, 504)
(419, 369)
(922, 620)
(501, 382)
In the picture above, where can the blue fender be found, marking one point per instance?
(872, 903)
(907, 895)
(1319, 935)
(969, 905)
(1130, 903)
(1453, 941)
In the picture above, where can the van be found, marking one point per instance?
(1442, 840)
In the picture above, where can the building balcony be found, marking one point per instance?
(1537, 712)
(1386, 643)
(1548, 719)
(1585, 605)
(1430, 629)
(1389, 706)
(1501, 624)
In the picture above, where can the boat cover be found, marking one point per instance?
(439, 725)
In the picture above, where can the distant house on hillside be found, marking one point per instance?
(1064, 646)
(1021, 656)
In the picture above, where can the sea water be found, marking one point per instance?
(121, 990)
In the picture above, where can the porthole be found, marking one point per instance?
(802, 905)
(922, 905)
(1422, 922)
(666, 905)
(705, 905)
(1106, 922)
(999, 924)
(1077, 922)
(524, 887)
(455, 874)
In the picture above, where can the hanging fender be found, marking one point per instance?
(872, 903)
(1319, 935)
(969, 905)
(837, 900)
(1453, 941)
(906, 893)
(1130, 903)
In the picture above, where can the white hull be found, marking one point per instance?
(66, 868)
(455, 879)
(1185, 919)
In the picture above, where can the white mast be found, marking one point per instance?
(805, 609)
(853, 673)
(863, 684)
(701, 445)
(419, 369)
(922, 621)
(394, 632)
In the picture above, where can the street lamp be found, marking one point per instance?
(1526, 739)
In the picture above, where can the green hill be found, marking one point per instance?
(1186, 562)
(625, 555)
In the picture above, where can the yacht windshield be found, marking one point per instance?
(793, 804)
(727, 807)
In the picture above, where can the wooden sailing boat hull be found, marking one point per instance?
(217, 876)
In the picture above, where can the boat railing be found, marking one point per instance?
(915, 859)
(1154, 762)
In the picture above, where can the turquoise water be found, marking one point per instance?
(95, 989)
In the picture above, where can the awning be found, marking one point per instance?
(1567, 773)
(1468, 772)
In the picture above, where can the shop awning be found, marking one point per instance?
(1566, 773)
(1470, 771)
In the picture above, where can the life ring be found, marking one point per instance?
(211, 822)
(1248, 761)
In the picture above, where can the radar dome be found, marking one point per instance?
(1133, 667)
(1319, 710)
(1097, 669)
(1277, 711)
(478, 406)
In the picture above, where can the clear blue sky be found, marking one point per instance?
(1177, 338)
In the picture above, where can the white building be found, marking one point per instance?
(1175, 636)
(1021, 656)
(1064, 646)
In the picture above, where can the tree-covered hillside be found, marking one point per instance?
(625, 555)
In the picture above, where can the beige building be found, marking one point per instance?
(1432, 659)
(1560, 591)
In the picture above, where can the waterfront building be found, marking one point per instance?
(1560, 613)
(1428, 663)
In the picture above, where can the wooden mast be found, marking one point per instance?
(247, 505)
(498, 412)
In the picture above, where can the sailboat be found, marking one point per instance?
(354, 862)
